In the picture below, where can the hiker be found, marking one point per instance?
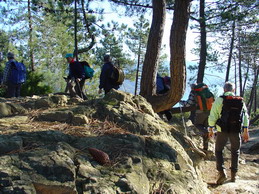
(200, 118)
(76, 77)
(162, 86)
(106, 81)
(228, 114)
(14, 76)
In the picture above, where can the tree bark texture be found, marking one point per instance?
(149, 70)
(240, 67)
(177, 61)
(231, 50)
(30, 37)
(203, 46)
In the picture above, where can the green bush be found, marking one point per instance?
(34, 85)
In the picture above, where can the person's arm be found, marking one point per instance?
(103, 76)
(6, 72)
(191, 100)
(245, 124)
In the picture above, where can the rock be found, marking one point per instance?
(43, 103)
(59, 100)
(5, 110)
(59, 116)
(79, 120)
(10, 144)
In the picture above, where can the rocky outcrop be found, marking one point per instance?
(144, 155)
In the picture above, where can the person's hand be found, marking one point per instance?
(245, 135)
(211, 132)
(100, 91)
(78, 79)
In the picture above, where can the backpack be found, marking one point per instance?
(117, 75)
(89, 72)
(205, 97)
(18, 73)
(231, 114)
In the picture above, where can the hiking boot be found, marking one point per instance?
(221, 177)
(233, 176)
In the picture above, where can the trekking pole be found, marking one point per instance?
(184, 124)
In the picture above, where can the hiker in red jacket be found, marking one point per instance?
(76, 77)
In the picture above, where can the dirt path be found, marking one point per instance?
(248, 175)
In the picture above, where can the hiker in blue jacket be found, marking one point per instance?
(106, 82)
(13, 88)
(76, 77)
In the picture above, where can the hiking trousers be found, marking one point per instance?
(13, 90)
(221, 141)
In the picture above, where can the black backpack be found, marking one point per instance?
(231, 114)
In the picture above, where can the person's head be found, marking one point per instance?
(69, 57)
(229, 87)
(107, 58)
(10, 56)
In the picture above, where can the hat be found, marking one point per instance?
(69, 55)
(10, 55)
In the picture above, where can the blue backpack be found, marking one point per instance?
(18, 73)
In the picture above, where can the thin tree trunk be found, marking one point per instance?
(235, 76)
(137, 73)
(230, 51)
(203, 51)
(252, 96)
(240, 67)
(177, 60)
(90, 34)
(30, 37)
(149, 70)
(246, 77)
(75, 31)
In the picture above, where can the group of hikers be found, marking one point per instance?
(226, 117)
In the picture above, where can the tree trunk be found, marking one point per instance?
(230, 51)
(75, 31)
(252, 96)
(137, 73)
(30, 37)
(240, 67)
(177, 61)
(203, 51)
(149, 70)
(90, 34)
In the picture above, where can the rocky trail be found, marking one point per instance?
(45, 145)
(248, 176)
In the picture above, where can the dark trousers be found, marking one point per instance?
(221, 141)
(76, 88)
(13, 90)
(201, 123)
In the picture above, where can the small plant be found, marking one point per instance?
(34, 85)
